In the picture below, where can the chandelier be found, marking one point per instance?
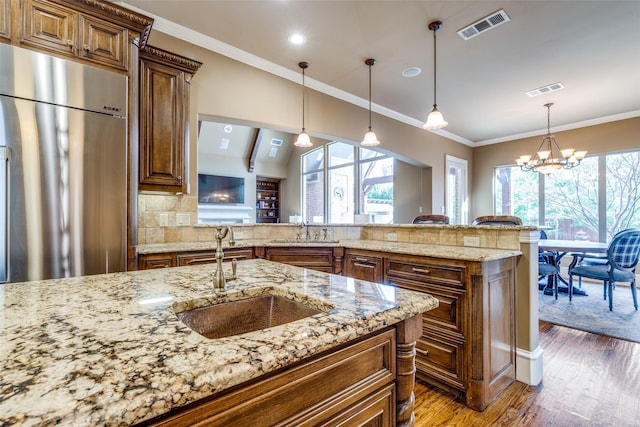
(550, 158)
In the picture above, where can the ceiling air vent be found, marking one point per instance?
(485, 24)
(545, 89)
(276, 142)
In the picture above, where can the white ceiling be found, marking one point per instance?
(592, 47)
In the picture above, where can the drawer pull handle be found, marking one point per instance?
(422, 352)
(420, 270)
(199, 260)
(357, 264)
(361, 259)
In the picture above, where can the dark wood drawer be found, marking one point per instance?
(364, 267)
(195, 258)
(441, 360)
(426, 272)
(320, 259)
(448, 317)
(352, 383)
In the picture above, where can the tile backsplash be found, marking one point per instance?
(168, 218)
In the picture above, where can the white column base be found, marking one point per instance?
(529, 366)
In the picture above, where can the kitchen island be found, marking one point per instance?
(110, 350)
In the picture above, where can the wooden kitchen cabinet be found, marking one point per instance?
(352, 385)
(99, 35)
(321, 258)
(363, 265)
(159, 260)
(164, 119)
(207, 257)
(468, 342)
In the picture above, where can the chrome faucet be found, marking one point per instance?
(304, 229)
(219, 279)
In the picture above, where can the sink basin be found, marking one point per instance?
(244, 315)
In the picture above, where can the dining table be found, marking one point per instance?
(560, 248)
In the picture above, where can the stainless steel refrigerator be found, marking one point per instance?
(63, 167)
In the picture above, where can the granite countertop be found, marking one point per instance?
(464, 253)
(109, 349)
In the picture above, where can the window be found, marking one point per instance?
(313, 185)
(333, 184)
(376, 186)
(456, 190)
(592, 201)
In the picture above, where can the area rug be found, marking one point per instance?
(591, 313)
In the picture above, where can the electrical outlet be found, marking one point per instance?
(392, 237)
(420, 209)
(471, 241)
(238, 235)
(183, 219)
(163, 219)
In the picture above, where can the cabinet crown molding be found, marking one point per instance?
(169, 58)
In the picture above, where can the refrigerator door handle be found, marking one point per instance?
(5, 156)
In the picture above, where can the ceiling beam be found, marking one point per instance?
(257, 138)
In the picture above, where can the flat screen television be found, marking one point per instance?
(220, 189)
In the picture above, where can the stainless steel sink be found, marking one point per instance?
(244, 315)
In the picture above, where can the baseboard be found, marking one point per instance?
(529, 366)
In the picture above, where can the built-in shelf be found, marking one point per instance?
(267, 200)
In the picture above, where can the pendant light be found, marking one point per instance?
(435, 119)
(550, 158)
(370, 138)
(303, 139)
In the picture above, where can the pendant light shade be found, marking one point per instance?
(370, 138)
(435, 119)
(303, 139)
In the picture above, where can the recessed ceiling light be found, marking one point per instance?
(297, 39)
(228, 128)
(411, 72)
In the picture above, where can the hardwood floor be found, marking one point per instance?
(589, 380)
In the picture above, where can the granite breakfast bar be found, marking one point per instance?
(109, 349)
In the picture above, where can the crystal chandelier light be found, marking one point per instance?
(550, 158)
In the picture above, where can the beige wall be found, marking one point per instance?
(617, 136)
(226, 88)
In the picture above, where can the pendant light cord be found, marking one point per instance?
(435, 67)
(370, 64)
(303, 98)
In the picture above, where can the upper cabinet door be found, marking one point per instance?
(162, 125)
(49, 26)
(103, 42)
(164, 119)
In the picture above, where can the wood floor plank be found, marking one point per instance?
(589, 380)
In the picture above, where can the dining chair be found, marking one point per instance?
(497, 220)
(620, 266)
(547, 267)
(431, 219)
